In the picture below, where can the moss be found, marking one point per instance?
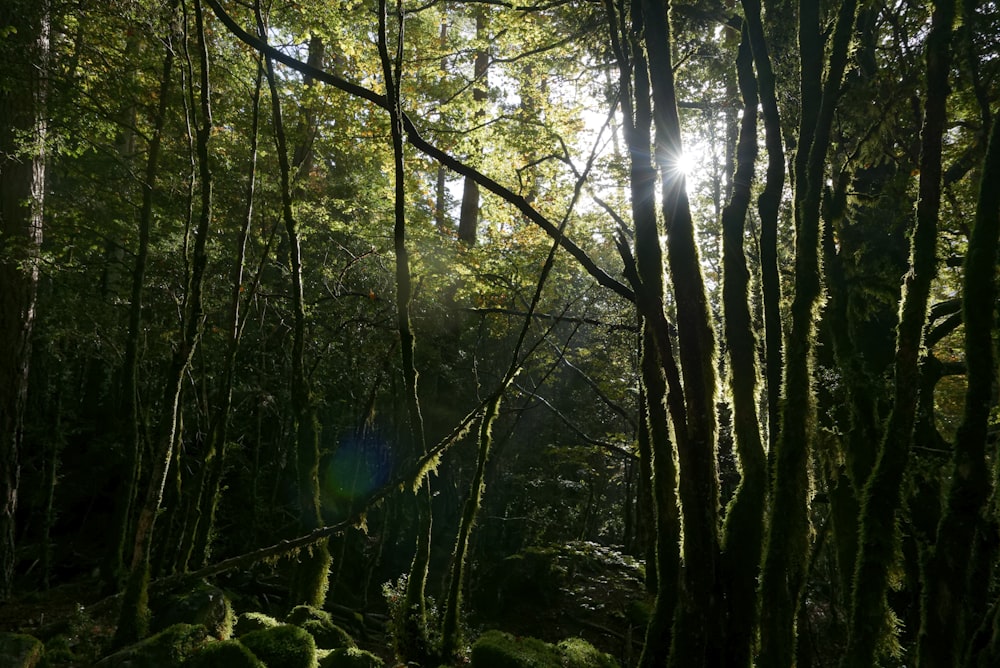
(58, 651)
(578, 653)
(496, 649)
(254, 621)
(169, 647)
(224, 654)
(203, 604)
(351, 657)
(320, 626)
(21, 650)
(282, 646)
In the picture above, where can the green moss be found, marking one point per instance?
(21, 650)
(224, 654)
(59, 652)
(167, 648)
(303, 613)
(203, 604)
(254, 621)
(496, 649)
(283, 646)
(351, 657)
(320, 625)
(578, 653)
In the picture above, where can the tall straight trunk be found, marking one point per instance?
(877, 526)
(768, 206)
(944, 626)
(787, 545)
(25, 52)
(656, 359)
(133, 620)
(131, 427)
(415, 644)
(311, 577)
(697, 614)
(210, 484)
(469, 215)
(743, 529)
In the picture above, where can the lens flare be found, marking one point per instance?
(353, 471)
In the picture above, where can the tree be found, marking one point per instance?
(24, 44)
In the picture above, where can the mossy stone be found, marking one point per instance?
(496, 649)
(320, 625)
(254, 621)
(283, 646)
(19, 650)
(578, 653)
(166, 649)
(351, 657)
(202, 604)
(58, 651)
(224, 654)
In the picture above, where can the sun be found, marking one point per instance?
(685, 162)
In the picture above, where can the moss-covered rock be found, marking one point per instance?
(166, 649)
(283, 646)
(496, 649)
(203, 604)
(19, 650)
(351, 657)
(320, 626)
(224, 654)
(578, 653)
(254, 621)
(59, 652)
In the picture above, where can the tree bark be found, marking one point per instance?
(133, 620)
(469, 214)
(944, 626)
(24, 49)
(743, 529)
(881, 499)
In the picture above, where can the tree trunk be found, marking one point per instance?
(133, 620)
(311, 577)
(131, 428)
(743, 529)
(24, 49)
(469, 217)
(944, 626)
(877, 525)
(787, 548)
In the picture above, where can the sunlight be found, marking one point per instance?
(685, 163)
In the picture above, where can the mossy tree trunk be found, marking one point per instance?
(131, 429)
(310, 578)
(881, 499)
(768, 207)
(198, 541)
(415, 645)
(698, 613)
(645, 273)
(945, 626)
(24, 49)
(743, 529)
(133, 620)
(786, 551)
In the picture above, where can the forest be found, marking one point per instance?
(499, 333)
